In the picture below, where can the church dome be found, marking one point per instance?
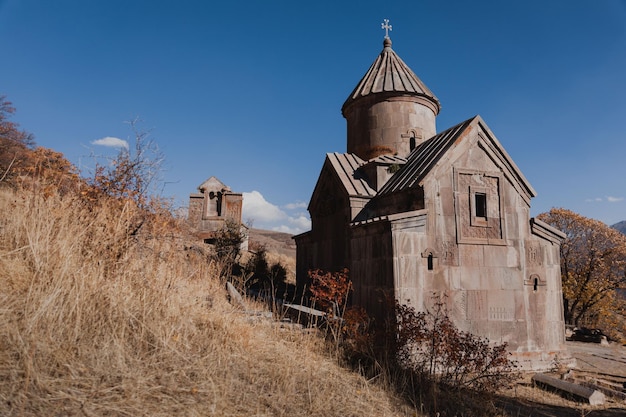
(390, 110)
(389, 74)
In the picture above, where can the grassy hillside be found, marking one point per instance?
(275, 242)
(281, 248)
(99, 318)
(109, 307)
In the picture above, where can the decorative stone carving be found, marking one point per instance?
(534, 256)
(474, 188)
(449, 253)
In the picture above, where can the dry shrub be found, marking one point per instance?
(97, 321)
(430, 344)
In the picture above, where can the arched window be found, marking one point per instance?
(536, 281)
(219, 203)
(211, 204)
(429, 254)
(414, 136)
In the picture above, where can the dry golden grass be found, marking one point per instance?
(97, 321)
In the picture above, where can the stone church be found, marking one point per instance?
(413, 213)
(212, 207)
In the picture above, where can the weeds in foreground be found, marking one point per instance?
(430, 344)
(109, 307)
(422, 355)
(145, 332)
(444, 369)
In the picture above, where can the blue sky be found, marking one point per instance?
(251, 91)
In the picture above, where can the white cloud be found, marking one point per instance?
(256, 208)
(284, 229)
(265, 215)
(609, 199)
(296, 205)
(297, 226)
(111, 142)
(301, 221)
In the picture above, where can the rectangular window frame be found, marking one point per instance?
(479, 215)
(465, 209)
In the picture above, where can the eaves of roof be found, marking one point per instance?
(345, 166)
(386, 159)
(421, 160)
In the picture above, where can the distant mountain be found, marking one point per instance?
(621, 226)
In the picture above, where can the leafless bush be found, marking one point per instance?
(429, 344)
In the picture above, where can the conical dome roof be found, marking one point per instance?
(390, 75)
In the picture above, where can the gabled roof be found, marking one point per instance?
(423, 158)
(345, 166)
(427, 154)
(213, 184)
(389, 74)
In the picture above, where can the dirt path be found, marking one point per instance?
(601, 359)
(592, 361)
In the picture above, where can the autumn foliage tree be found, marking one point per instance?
(330, 290)
(14, 142)
(10, 131)
(593, 266)
(329, 293)
(24, 164)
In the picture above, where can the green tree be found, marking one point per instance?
(593, 265)
(257, 267)
(268, 279)
(227, 245)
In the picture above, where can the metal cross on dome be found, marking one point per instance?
(386, 26)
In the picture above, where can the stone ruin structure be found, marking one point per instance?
(414, 214)
(212, 207)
